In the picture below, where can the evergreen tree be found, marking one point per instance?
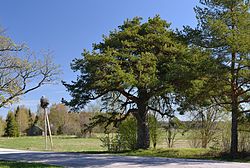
(224, 30)
(17, 111)
(132, 68)
(11, 129)
(36, 120)
(31, 122)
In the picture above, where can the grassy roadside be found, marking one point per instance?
(13, 164)
(184, 153)
(189, 153)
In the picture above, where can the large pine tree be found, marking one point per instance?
(132, 70)
(224, 30)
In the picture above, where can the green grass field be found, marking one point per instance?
(71, 143)
(61, 143)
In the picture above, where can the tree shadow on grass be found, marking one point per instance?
(179, 153)
(167, 153)
(240, 157)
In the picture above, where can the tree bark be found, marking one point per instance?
(143, 138)
(234, 108)
(234, 130)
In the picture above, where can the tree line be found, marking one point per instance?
(62, 122)
(205, 128)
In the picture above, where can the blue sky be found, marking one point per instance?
(68, 26)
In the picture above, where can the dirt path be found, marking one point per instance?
(110, 161)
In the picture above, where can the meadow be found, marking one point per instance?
(93, 145)
(60, 143)
(76, 144)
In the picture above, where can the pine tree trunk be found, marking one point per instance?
(234, 108)
(143, 138)
(234, 131)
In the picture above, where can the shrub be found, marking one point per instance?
(153, 129)
(123, 139)
(112, 142)
(127, 132)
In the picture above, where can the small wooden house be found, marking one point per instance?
(35, 131)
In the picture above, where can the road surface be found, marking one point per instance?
(109, 161)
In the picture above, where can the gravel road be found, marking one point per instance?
(110, 161)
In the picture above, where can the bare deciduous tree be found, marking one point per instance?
(21, 72)
(206, 121)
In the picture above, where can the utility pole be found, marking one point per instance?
(44, 104)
